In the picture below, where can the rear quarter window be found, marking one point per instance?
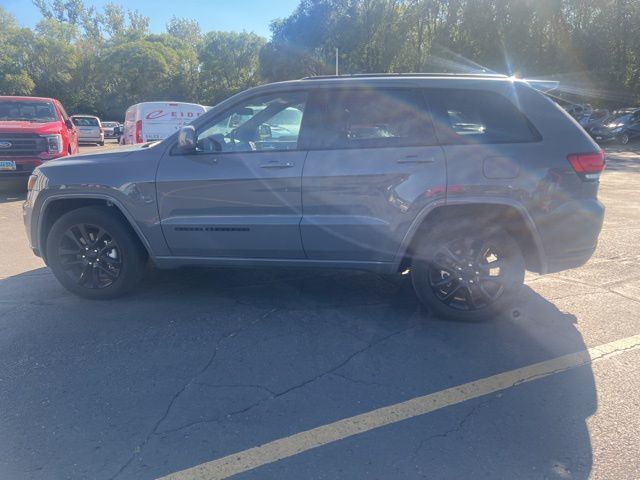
(476, 116)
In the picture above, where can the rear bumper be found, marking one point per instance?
(569, 234)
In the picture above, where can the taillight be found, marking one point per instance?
(139, 131)
(101, 130)
(588, 165)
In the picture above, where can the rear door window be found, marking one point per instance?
(371, 118)
(476, 116)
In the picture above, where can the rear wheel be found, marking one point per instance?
(468, 273)
(94, 254)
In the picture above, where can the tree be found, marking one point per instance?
(229, 63)
(14, 57)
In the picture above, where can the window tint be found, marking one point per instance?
(473, 116)
(268, 123)
(363, 118)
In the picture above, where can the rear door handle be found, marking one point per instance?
(416, 159)
(276, 165)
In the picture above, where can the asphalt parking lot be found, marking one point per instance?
(286, 374)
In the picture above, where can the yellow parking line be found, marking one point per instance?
(301, 442)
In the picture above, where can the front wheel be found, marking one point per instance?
(624, 139)
(468, 273)
(94, 254)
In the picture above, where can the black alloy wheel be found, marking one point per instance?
(94, 253)
(90, 256)
(467, 273)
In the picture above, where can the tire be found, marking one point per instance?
(479, 292)
(101, 144)
(624, 139)
(113, 268)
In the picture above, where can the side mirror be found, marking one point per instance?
(69, 124)
(187, 139)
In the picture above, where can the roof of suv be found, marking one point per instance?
(387, 78)
(408, 75)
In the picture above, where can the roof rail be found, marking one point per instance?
(374, 75)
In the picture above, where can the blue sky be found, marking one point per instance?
(250, 15)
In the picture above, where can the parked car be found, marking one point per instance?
(89, 129)
(363, 184)
(153, 121)
(33, 130)
(110, 129)
(622, 126)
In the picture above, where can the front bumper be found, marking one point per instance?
(24, 167)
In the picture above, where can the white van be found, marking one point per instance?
(151, 121)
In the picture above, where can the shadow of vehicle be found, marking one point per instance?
(199, 364)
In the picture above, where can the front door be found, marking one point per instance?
(239, 195)
(374, 165)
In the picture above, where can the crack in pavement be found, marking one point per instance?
(358, 380)
(235, 385)
(154, 430)
(298, 386)
(457, 428)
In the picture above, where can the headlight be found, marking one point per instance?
(54, 143)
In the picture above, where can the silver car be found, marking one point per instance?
(109, 129)
(89, 129)
(462, 181)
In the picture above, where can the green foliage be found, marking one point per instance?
(102, 61)
(14, 57)
(229, 63)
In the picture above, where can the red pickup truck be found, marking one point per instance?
(33, 130)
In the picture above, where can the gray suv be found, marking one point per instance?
(466, 181)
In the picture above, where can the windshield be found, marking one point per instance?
(27, 111)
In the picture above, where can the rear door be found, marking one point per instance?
(374, 164)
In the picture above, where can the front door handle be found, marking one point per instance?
(416, 159)
(276, 165)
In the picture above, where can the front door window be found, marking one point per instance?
(268, 123)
